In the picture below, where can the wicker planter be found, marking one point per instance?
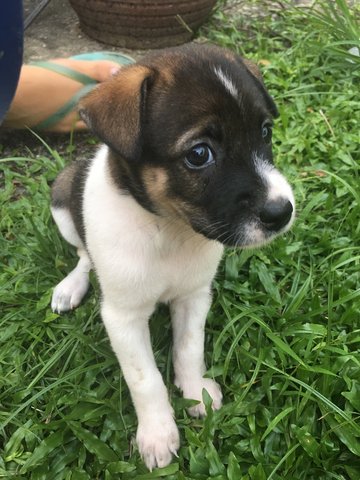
(142, 23)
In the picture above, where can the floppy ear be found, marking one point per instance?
(255, 72)
(253, 69)
(115, 109)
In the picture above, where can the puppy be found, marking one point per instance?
(186, 169)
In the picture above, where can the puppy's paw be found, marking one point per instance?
(157, 440)
(193, 390)
(69, 292)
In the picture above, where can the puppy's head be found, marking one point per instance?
(189, 131)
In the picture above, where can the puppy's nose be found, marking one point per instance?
(276, 214)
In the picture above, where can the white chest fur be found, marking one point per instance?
(137, 255)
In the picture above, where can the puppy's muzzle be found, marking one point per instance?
(276, 214)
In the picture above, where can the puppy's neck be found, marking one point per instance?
(128, 179)
(167, 229)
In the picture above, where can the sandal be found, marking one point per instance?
(88, 82)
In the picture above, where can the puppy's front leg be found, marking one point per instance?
(188, 318)
(157, 435)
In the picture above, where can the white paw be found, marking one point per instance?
(157, 440)
(193, 390)
(69, 292)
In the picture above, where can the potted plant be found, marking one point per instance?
(142, 23)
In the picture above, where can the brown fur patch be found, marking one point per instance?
(253, 69)
(113, 109)
(167, 73)
(156, 182)
(186, 140)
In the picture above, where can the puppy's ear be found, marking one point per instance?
(115, 109)
(255, 72)
(253, 69)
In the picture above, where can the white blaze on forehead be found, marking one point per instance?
(226, 81)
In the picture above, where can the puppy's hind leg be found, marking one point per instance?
(70, 291)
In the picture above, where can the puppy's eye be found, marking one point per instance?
(266, 132)
(200, 156)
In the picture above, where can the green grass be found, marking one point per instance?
(283, 334)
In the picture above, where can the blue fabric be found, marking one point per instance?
(11, 51)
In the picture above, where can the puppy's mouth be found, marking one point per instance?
(275, 218)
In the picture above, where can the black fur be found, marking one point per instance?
(67, 192)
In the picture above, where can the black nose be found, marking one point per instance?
(276, 214)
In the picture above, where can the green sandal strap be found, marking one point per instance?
(79, 77)
(66, 71)
(65, 109)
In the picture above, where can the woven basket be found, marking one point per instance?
(142, 23)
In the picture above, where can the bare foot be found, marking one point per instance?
(42, 92)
